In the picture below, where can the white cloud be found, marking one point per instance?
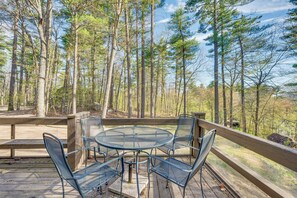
(278, 20)
(170, 8)
(265, 6)
(200, 37)
(163, 21)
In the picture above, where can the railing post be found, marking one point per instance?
(198, 132)
(12, 136)
(74, 139)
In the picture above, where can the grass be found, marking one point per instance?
(268, 169)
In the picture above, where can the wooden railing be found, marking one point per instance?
(14, 143)
(278, 153)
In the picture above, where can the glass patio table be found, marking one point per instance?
(136, 139)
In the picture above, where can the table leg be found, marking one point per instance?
(137, 179)
(130, 173)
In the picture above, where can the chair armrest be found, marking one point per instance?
(75, 151)
(188, 146)
(171, 164)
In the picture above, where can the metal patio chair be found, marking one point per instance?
(180, 172)
(91, 126)
(84, 180)
(183, 135)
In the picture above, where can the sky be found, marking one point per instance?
(271, 10)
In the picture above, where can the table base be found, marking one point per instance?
(129, 189)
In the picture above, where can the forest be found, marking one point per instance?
(65, 56)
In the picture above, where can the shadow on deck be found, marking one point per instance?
(37, 177)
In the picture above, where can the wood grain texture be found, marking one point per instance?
(33, 120)
(24, 143)
(38, 178)
(262, 183)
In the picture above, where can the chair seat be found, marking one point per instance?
(103, 150)
(99, 176)
(172, 173)
(167, 148)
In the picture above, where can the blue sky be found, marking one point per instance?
(272, 11)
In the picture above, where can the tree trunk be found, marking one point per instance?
(184, 77)
(257, 109)
(242, 91)
(102, 84)
(142, 62)
(64, 107)
(53, 74)
(28, 76)
(129, 106)
(110, 103)
(157, 85)
(20, 90)
(163, 108)
(216, 61)
(93, 51)
(231, 107)
(75, 69)
(49, 63)
(42, 66)
(118, 90)
(112, 56)
(152, 106)
(223, 77)
(13, 60)
(137, 62)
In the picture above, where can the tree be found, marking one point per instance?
(290, 35)
(207, 12)
(268, 55)
(152, 103)
(3, 60)
(118, 7)
(242, 32)
(15, 15)
(184, 47)
(129, 107)
(42, 18)
(143, 73)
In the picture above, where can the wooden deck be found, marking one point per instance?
(38, 178)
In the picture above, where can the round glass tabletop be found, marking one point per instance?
(134, 138)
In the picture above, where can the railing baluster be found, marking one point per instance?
(198, 132)
(12, 136)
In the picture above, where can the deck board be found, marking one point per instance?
(37, 177)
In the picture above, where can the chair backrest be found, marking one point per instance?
(55, 150)
(185, 129)
(205, 146)
(91, 126)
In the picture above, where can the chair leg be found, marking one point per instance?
(63, 188)
(149, 174)
(184, 192)
(95, 156)
(201, 186)
(137, 171)
(148, 185)
(122, 179)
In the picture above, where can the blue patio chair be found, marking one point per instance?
(183, 135)
(179, 172)
(91, 126)
(84, 180)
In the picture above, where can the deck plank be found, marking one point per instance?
(37, 177)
